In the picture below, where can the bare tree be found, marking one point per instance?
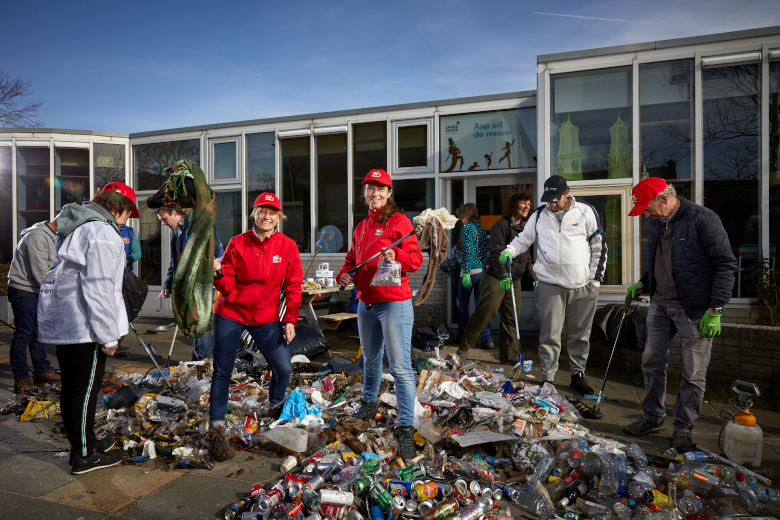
(15, 109)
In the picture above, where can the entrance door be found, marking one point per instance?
(155, 259)
(491, 195)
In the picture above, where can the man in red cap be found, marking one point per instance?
(690, 276)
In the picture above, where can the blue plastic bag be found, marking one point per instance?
(296, 406)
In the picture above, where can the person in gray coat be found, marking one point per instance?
(32, 258)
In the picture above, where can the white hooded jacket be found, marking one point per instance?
(570, 254)
(81, 296)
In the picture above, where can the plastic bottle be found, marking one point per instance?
(636, 489)
(694, 472)
(749, 499)
(607, 485)
(533, 503)
(695, 456)
(591, 508)
(635, 452)
(577, 489)
(541, 471)
(556, 488)
(574, 459)
(690, 505)
(591, 464)
(621, 472)
(620, 509)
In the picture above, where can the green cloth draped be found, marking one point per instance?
(191, 295)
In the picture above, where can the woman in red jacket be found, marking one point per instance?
(385, 316)
(255, 266)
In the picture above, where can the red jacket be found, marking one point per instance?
(252, 275)
(368, 239)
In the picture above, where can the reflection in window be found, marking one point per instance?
(591, 115)
(331, 185)
(610, 212)
(71, 176)
(32, 186)
(414, 195)
(369, 141)
(731, 110)
(296, 194)
(225, 161)
(774, 153)
(499, 140)
(150, 238)
(109, 163)
(150, 159)
(260, 167)
(666, 130)
(413, 146)
(6, 206)
(228, 222)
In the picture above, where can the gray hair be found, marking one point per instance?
(282, 216)
(669, 192)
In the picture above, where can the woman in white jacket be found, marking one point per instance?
(82, 312)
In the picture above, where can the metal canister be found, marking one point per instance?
(333, 496)
(464, 497)
(461, 483)
(470, 513)
(399, 503)
(475, 487)
(380, 496)
(413, 472)
(256, 491)
(505, 491)
(498, 493)
(236, 510)
(486, 491)
(424, 506)
(442, 510)
(486, 503)
(315, 483)
(269, 500)
(411, 506)
(424, 491)
(445, 489)
(294, 489)
(292, 508)
(310, 498)
(360, 485)
(399, 488)
(336, 511)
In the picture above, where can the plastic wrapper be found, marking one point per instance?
(527, 454)
(387, 274)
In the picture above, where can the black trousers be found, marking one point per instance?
(82, 366)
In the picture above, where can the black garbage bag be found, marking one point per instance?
(427, 339)
(450, 267)
(306, 342)
(633, 336)
(134, 292)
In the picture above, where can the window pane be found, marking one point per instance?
(666, 129)
(296, 195)
(331, 178)
(369, 152)
(412, 146)
(414, 195)
(109, 163)
(731, 111)
(150, 159)
(32, 186)
(591, 124)
(228, 222)
(71, 176)
(774, 153)
(498, 140)
(150, 238)
(610, 212)
(225, 161)
(6, 206)
(260, 166)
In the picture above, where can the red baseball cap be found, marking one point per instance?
(378, 177)
(125, 190)
(268, 199)
(645, 191)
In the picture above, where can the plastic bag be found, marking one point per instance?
(387, 274)
(134, 292)
(296, 406)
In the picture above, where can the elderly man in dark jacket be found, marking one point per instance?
(690, 276)
(495, 285)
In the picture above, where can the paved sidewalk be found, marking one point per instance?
(36, 485)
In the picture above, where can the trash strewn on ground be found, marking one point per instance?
(484, 440)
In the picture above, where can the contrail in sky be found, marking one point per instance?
(629, 21)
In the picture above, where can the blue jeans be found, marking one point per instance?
(464, 295)
(25, 307)
(202, 346)
(388, 325)
(269, 339)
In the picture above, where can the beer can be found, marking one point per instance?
(472, 512)
(399, 503)
(464, 497)
(411, 506)
(292, 508)
(360, 485)
(323, 466)
(462, 484)
(413, 472)
(380, 496)
(443, 510)
(315, 483)
(486, 503)
(505, 491)
(269, 500)
(498, 493)
(486, 491)
(333, 496)
(424, 491)
(399, 488)
(445, 489)
(475, 487)
(336, 511)
(424, 506)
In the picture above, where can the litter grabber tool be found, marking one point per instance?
(374, 257)
(170, 351)
(514, 307)
(149, 350)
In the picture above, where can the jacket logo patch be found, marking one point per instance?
(378, 232)
(277, 259)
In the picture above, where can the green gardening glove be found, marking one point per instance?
(505, 258)
(536, 284)
(710, 325)
(466, 280)
(634, 289)
(506, 284)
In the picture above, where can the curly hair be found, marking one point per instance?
(115, 203)
(515, 200)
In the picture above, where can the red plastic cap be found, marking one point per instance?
(741, 477)
(644, 192)
(268, 199)
(378, 177)
(126, 191)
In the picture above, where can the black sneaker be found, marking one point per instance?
(580, 384)
(405, 436)
(643, 427)
(682, 442)
(366, 412)
(103, 445)
(97, 460)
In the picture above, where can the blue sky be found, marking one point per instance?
(130, 67)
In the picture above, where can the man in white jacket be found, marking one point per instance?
(570, 259)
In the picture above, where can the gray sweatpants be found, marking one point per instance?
(575, 308)
(662, 323)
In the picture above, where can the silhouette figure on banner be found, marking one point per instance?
(474, 166)
(508, 148)
(489, 159)
(456, 156)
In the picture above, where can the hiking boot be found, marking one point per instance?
(682, 442)
(23, 386)
(580, 384)
(275, 411)
(97, 460)
(486, 346)
(366, 412)
(50, 376)
(643, 427)
(220, 447)
(405, 436)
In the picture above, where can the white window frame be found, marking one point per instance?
(223, 140)
(394, 141)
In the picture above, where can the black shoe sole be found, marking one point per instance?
(87, 470)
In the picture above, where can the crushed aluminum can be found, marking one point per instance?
(475, 487)
(498, 493)
(411, 506)
(399, 503)
(486, 503)
(424, 506)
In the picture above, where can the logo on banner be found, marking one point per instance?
(450, 129)
(277, 259)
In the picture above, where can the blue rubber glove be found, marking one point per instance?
(466, 280)
(710, 325)
(634, 289)
(506, 284)
(536, 284)
(505, 257)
